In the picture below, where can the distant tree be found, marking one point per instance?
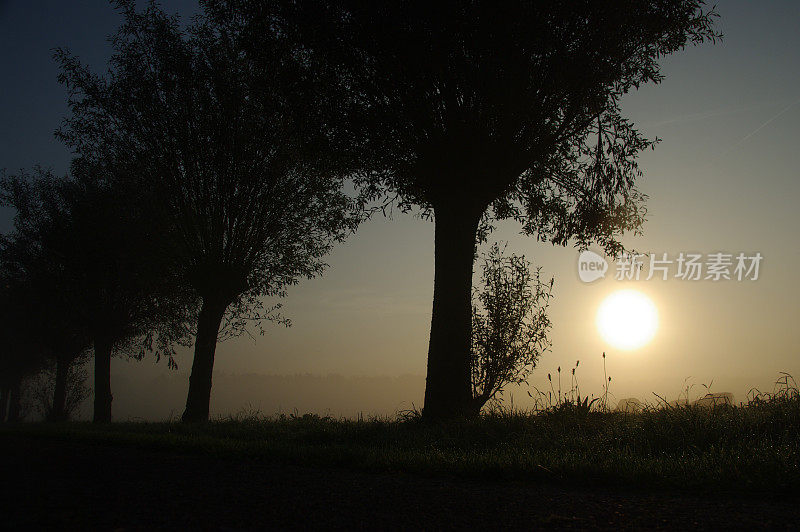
(509, 324)
(47, 303)
(248, 188)
(20, 358)
(41, 391)
(475, 111)
(97, 232)
(116, 245)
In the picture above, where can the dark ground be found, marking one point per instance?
(50, 483)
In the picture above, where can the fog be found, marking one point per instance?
(141, 397)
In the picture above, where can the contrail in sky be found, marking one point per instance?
(756, 130)
(762, 126)
(694, 117)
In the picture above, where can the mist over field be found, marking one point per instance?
(150, 392)
(140, 397)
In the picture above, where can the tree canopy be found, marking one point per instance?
(246, 183)
(41, 278)
(475, 111)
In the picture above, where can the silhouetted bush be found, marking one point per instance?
(509, 323)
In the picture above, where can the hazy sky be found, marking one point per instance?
(724, 179)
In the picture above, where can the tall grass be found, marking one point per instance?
(752, 446)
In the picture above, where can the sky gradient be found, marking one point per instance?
(723, 179)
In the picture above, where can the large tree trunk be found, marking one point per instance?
(59, 411)
(102, 380)
(448, 390)
(4, 393)
(199, 398)
(15, 402)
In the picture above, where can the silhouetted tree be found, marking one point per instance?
(475, 111)
(20, 357)
(48, 305)
(509, 324)
(232, 150)
(76, 390)
(97, 231)
(116, 245)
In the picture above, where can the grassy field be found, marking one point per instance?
(750, 447)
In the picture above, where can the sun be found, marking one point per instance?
(627, 319)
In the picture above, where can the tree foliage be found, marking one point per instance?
(228, 145)
(512, 105)
(476, 111)
(47, 299)
(510, 323)
(86, 240)
(245, 180)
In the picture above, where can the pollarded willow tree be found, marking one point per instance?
(123, 280)
(81, 263)
(476, 111)
(242, 171)
(50, 325)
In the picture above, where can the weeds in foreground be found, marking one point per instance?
(785, 390)
(570, 438)
(570, 400)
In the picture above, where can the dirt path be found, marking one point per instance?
(61, 485)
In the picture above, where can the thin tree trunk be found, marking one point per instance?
(448, 390)
(4, 393)
(15, 402)
(102, 380)
(199, 397)
(59, 412)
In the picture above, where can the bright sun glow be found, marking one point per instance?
(627, 319)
